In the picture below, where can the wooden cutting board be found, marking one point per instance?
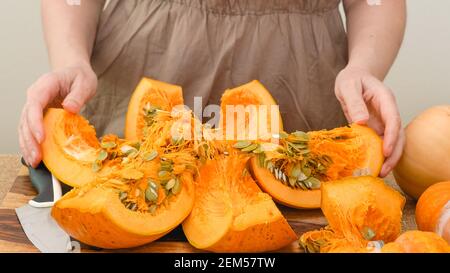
(13, 239)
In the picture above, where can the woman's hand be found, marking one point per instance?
(70, 87)
(366, 100)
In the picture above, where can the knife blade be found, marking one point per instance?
(35, 218)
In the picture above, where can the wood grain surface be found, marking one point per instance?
(13, 239)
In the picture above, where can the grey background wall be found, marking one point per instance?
(420, 77)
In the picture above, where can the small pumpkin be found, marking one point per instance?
(426, 157)
(415, 241)
(148, 96)
(230, 212)
(358, 210)
(433, 210)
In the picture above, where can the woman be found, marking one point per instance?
(321, 76)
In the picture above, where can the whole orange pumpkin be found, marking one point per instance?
(433, 210)
(426, 157)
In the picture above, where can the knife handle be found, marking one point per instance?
(48, 188)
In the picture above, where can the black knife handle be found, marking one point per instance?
(41, 179)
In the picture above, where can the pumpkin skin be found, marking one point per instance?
(163, 95)
(433, 208)
(372, 160)
(231, 214)
(426, 157)
(70, 147)
(415, 241)
(98, 218)
(352, 205)
(252, 93)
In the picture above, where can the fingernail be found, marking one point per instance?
(70, 104)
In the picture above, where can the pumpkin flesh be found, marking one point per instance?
(231, 214)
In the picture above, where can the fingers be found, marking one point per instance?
(82, 89)
(392, 160)
(29, 146)
(349, 93)
(392, 121)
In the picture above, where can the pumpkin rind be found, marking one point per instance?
(231, 214)
(163, 95)
(297, 198)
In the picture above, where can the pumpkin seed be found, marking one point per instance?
(368, 233)
(284, 177)
(296, 171)
(108, 145)
(102, 155)
(312, 183)
(125, 160)
(299, 135)
(96, 166)
(152, 209)
(170, 184)
(283, 135)
(306, 171)
(292, 181)
(151, 195)
(150, 155)
(127, 149)
(136, 145)
(250, 148)
(133, 154)
(163, 174)
(301, 185)
(177, 140)
(122, 195)
(176, 189)
(166, 166)
(133, 206)
(258, 149)
(242, 144)
(153, 185)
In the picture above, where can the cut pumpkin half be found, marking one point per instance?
(293, 172)
(231, 214)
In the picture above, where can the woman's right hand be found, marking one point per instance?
(70, 87)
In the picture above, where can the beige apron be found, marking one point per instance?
(294, 47)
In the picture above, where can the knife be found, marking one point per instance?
(35, 218)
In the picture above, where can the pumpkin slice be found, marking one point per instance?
(231, 214)
(318, 156)
(149, 95)
(70, 147)
(96, 216)
(237, 119)
(358, 210)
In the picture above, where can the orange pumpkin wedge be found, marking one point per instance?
(358, 210)
(415, 241)
(151, 94)
(231, 214)
(355, 150)
(70, 147)
(236, 105)
(96, 216)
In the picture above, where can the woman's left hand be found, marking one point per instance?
(366, 100)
